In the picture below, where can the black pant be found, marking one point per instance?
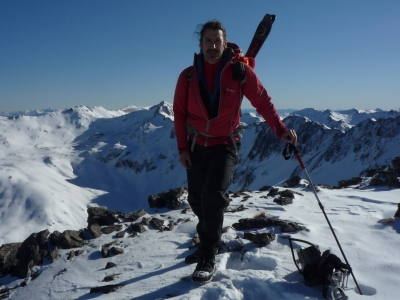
(208, 179)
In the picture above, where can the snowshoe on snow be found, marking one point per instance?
(324, 270)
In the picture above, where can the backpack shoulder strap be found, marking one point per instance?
(190, 74)
(238, 71)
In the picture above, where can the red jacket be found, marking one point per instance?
(189, 107)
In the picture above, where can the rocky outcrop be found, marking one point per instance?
(104, 217)
(264, 222)
(8, 257)
(172, 199)
(386, 175)
(352, 181)
(67, 240)
(18, 259)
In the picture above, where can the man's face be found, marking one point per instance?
(213, 45)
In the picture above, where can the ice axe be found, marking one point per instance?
(287, 153)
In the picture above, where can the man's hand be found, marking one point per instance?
(184, 159)
(290, 137)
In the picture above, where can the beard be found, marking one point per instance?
(212, 56)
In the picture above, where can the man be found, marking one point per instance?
(207, 117)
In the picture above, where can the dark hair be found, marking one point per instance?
(214, 25)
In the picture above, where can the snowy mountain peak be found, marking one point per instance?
(165, 109)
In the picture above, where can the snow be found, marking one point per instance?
(39, 189)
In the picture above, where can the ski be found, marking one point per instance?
(261, 34)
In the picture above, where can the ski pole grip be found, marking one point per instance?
(297, 155)
(287, 153)
(288, 150)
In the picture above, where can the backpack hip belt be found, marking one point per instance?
(192, 130)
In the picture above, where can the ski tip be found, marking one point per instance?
(269, 17)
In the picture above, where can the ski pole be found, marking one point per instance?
(292, 148)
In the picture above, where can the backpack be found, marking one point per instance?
(324, 269)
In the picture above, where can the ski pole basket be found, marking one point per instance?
(321, 270)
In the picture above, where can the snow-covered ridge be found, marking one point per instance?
(94, 156)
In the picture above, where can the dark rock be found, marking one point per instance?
(120, 234)
(245, 198)
(137, 227)
(287, 194)
(106, 289)
(283, 200)
(263, 222)
(290, 227)
(273, 192)
(54, 254)
(101, 216)
(131, 217)
(265, 188)
(157, 223)
(73, 253)
(105, 249)
(86, 234)
(31, 253)
(392, 180)
(376, 182)
(35, 275)
(261, 239)
(95, 230)
(386, 175)
(117, 251)
(18, 259)
(61, 272)
(110, 277)
(66, 240)
(145, 221)
(172, 199)
(8, 257)
(110, 229)
(352, 181)
(185, 210)
(110, 265)
(293, 181)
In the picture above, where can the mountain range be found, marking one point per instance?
(135, 150)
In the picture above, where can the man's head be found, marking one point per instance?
(212, 38)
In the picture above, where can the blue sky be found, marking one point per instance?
(322, 54)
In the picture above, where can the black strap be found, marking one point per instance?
(190, 74)
(288, 150)
(238, 71)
